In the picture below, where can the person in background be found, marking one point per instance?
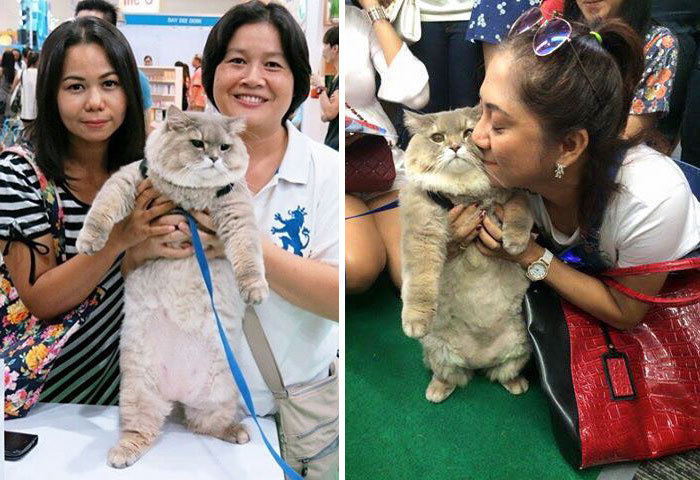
(18, 58)
(8, 80)
(453, 64)
(108, 12)
(185, 84)
(148, 60)
(372, 242)
(491, 20)
(28, 112)
(197, 97)
(690, 131)
(653, 93)
(328, 97)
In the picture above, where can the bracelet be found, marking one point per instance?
(377, 13)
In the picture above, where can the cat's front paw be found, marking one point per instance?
(122, 456)
(515, 240)
(91, 239)
(415, 323)
(256, 292)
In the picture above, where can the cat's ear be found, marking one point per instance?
(177, 119)
(235, 125)
(415, 122)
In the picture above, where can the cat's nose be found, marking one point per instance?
(213, 159)
(455, 147)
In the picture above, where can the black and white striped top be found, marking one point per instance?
(87, 369)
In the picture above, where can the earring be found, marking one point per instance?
(559, 171)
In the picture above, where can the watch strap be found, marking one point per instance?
(547, 257)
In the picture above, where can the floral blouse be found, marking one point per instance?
(491, 19)
(660, 61)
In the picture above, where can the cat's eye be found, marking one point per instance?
(225, 147)
(437, 137)
(197, 143)
(468, 132)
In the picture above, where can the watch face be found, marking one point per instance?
(537, 271)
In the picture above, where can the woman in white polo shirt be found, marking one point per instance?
(256, 65)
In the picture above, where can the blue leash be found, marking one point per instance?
(233, 365)
(388, 206)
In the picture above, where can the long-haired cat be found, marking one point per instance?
(170, 350)
(466, 310)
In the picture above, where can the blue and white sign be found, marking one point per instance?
(170, 20)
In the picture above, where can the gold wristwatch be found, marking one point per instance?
(538, 269)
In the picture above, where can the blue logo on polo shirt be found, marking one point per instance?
(292, 230)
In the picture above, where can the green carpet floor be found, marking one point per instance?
(393, 432)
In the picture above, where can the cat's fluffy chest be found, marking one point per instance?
(187, 198)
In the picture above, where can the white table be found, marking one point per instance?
(74, 440)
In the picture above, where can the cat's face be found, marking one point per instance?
(441, 151)
(198, 150)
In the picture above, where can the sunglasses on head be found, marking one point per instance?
(551, 34)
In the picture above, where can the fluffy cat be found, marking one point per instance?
(170, 347)
(466, 310)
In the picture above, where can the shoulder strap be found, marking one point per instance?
(262, 353)
(664, 267)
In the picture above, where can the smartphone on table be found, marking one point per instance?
(18, 444)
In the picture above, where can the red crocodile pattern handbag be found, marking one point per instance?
(638, 391)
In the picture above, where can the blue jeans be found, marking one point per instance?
(690, 132)
(455, 68)
(453, 65)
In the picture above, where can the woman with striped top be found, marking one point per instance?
(89, 123)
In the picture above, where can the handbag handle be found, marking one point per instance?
(663, 267)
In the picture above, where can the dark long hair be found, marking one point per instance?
(566, 98)
(48, 134)
(635, 13)
(8, 66)
(296, 51)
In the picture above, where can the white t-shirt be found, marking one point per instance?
(445, 10)
(653, 218)
(28, 94)
(303, 200)
(405, 81)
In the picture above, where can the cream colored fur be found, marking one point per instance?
(170, 350)
(466, 311)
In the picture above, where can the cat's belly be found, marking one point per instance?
(169, 327)
(480, 310)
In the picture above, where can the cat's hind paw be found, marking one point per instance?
(438, 391)
(415, 324)
(236, 434)
(90, 240)
(256, 292)
(516, 386)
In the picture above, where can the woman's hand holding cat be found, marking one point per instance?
(213, 247)
(465, 223)
(490, 243)
(137, 226)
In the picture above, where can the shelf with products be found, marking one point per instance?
(166, 89)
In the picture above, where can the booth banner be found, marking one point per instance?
(139, 6)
